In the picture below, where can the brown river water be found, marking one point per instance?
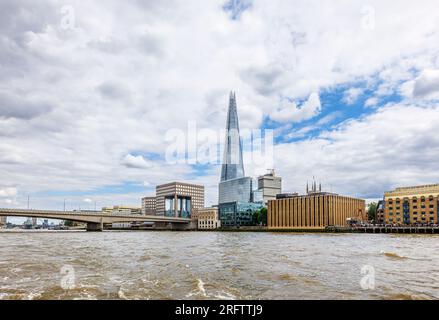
(216, 265)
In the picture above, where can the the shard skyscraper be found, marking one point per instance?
(234, 187)
(232, 166)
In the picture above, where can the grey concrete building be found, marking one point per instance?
(270, 185)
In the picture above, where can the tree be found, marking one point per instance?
(263, 216)
(260, 217)
(68, 223)
(372, 211)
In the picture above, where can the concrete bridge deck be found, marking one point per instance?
(95, 220)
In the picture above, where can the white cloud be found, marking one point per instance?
(146, 184)
(136, 162)
(87, 200)
(427, 84)
(351, 95)
(365, 157)
(8, 192)
(371, 102)
(290, 112)
(76, 102)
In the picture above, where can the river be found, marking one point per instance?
(217, 265)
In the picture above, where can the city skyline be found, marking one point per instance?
(93, 129)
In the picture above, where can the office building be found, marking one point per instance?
(412, 205)
(122, 210)
(236, 214)
(208, 219)
(270, 185)
(236, 190)
(234, 186)
(178, 199)
(233, 165)
(149, 205)
(315, 211)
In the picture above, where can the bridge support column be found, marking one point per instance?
(94, 227)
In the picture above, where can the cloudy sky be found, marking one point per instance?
(90, 89)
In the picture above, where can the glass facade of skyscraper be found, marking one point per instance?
(236, 190)
(238, 213)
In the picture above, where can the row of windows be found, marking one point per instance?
(414, 219)
(414, 213)
(414, 199)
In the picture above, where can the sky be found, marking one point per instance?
(90, 90)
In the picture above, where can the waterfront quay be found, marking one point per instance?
(386, 229)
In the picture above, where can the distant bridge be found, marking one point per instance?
(95, 220)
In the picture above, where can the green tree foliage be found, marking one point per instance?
(68, 223)
(260, 217)
(372, 211)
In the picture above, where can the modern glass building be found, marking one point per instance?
(236, 190)
(233, 165)
(238, 213)
(234, 186)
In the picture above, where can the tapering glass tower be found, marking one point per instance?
(233, 166)
(234, 187)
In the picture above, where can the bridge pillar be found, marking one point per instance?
(94, 227)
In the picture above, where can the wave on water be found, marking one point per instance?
(393, 255)
(200, 291)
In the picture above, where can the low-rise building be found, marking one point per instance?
(122, 210)
(149, 205)
(380, 217)
(208, 219)
(412, 205)
(315, 211)
(236, 214)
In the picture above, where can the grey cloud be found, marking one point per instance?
(113, 91)
(19, 16)
(426, 84)
(265, 81)
(151, 45)
(111, 46)
(20, 108)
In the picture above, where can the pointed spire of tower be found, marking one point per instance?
(320, 187)
(307, 187)
(233, 165)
